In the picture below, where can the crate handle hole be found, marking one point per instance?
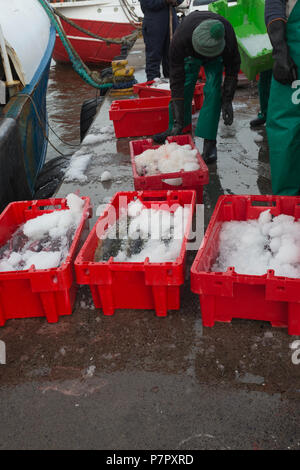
(263, 203)
(260, 203)
(153, 198)
(173, 181)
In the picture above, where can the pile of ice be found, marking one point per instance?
(257, 43)
(78, 165)
(43, 241)
(255, 246)
(81, 159)
(105, 133)
(160, 84)
(105, 176)
(168, 158)
(152, 233)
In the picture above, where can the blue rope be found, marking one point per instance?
(121, 85)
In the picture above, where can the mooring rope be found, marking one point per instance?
(130, 14)
(90, 77)
(126, 40)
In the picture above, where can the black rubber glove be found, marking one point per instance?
(227, 113)
(284, 69)
(177, 107)
(229, 87)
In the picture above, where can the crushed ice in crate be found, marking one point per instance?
(255, 246)
(168, 158)
(43, 241)
(257, 43)
(161, 84)
(143, 233)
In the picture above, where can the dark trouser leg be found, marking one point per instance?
(264, 86)
(153, 50)
(165, 58)
(165, 53)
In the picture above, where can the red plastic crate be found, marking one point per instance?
(46, 293)
(141, 285)
(145, 90)
(199, 96)
(190, 179)
(140, 117)
(228, 295)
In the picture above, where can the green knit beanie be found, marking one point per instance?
(208, 38)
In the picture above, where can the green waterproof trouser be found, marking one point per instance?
(209, 116)
(264, 87)
(283, 121)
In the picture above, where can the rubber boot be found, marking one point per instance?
(210, 153)
(259, 121)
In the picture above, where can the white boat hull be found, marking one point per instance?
(27, 43)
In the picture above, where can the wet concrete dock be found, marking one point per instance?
(135, 381)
